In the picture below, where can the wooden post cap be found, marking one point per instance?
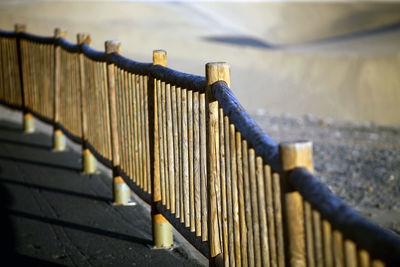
(218, 71)
(20, 27)
(60, 33)
(296, 154)
(83, 38)
(160, 57)
(113, 47)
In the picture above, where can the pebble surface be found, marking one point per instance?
(360, 163)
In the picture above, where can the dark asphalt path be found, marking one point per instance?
(53, 215)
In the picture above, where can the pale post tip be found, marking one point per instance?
(296, 154)
(60, 33)
(218, 71)
(160, 57)
(113, 46)
(19, 28)
(83, 38)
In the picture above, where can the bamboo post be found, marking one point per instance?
(121, 191)
(294, 155)
(162, 229)
(89, 164)
(59, 141)
(215, 72)
(28, 119)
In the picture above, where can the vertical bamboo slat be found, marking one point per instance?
(350, 253)
(224, 218)
(309, 234)
(121, 192)
(58, 137)
(247, 201)
(88, 160)
(240, 186)
(185, 160)
(203, 167)
(190, 158)
(235, 198)
(228, 178)
(196, 163)
(318, 243)
(162, 230)
(327, 235)
(295, 155)
(254, 207)
(338, 249)
(176, 151)
(214, 72)
(265, 253)
(270, 215)
(170, 148)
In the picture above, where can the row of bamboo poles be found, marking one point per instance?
(96, 104)
(10, 89)
(248, 200)
(327, 247)
(133, 126)
(37, 67)
(181, 123)
(203, 170)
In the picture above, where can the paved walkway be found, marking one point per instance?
(53, 215)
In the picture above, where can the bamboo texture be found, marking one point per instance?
(10, 88)
(38, 72)
(208, 175)
(97, 106)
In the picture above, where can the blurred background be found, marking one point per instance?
(330, 60)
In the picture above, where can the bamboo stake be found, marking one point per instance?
(196, 162)
(235, 198)
(170, 148)
(225, 238)
(162, 230)
(203, 167)
(214, 72)
(59, 142)
(338, 249)
(318, 243)
(270, 215)
(247, 201)
(350, 253)
(255, 208)
(179, 188)
(265, 253)
(165, 144)
(327, 234)
(190, 158)
(185, 160)
(88, 160)
(240, 186)
(28, 120)
(176, 150)
(295, 155)
(309, 234)
(121, 190)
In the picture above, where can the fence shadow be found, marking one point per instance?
(55, 190)
(80, 227)
(39, 163)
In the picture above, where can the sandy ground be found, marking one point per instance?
(331, 60)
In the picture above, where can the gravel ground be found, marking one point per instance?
(360, 163)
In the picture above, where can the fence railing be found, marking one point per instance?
(187, 147)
